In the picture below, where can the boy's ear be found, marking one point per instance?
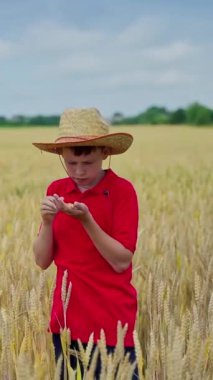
(105, 152)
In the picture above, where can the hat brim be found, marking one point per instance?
(117, 142)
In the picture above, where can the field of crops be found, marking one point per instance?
(171, 168)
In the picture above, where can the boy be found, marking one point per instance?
(89, 229)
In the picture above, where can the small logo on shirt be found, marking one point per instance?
(106, 193)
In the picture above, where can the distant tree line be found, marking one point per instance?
(38, 120)
(194, 114)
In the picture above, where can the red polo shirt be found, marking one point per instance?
(100, 296)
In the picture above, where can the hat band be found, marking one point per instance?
(78, 139)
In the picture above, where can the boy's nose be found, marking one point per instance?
(79, 170)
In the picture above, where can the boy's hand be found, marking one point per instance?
(48, 209)
(77, 210)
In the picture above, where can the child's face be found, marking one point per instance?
(84, 169)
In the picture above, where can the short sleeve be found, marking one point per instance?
(125, 216)
(50, 189)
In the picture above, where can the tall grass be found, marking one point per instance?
(171, 169)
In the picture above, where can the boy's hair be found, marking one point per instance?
(79, 150)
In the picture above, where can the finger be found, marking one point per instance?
(50, 198)
(51, 206)
(59, 204)
(46, 212)
(68, 207)
(57, 197)
(78, 204)
(48, 203)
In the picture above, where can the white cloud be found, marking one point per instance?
(65, 52)
(152, 78)
(76, 50)
(50, 37)
(174, 77)
(71, 61)
(143, 32)
(171, 52)
(6, 49)
(79, 63)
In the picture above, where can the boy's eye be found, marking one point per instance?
(75, 163)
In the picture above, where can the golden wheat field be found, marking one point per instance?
(171, 168)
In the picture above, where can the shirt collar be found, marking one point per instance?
(103, 184)
(97, 189)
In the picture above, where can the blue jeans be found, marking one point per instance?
(73, 360)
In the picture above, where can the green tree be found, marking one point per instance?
(3, 120)
(154, 115)
(178, 116)
(198, 114)
(44, 120)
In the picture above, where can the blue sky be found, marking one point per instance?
(123, 55)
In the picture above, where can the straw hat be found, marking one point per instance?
(86, 127)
